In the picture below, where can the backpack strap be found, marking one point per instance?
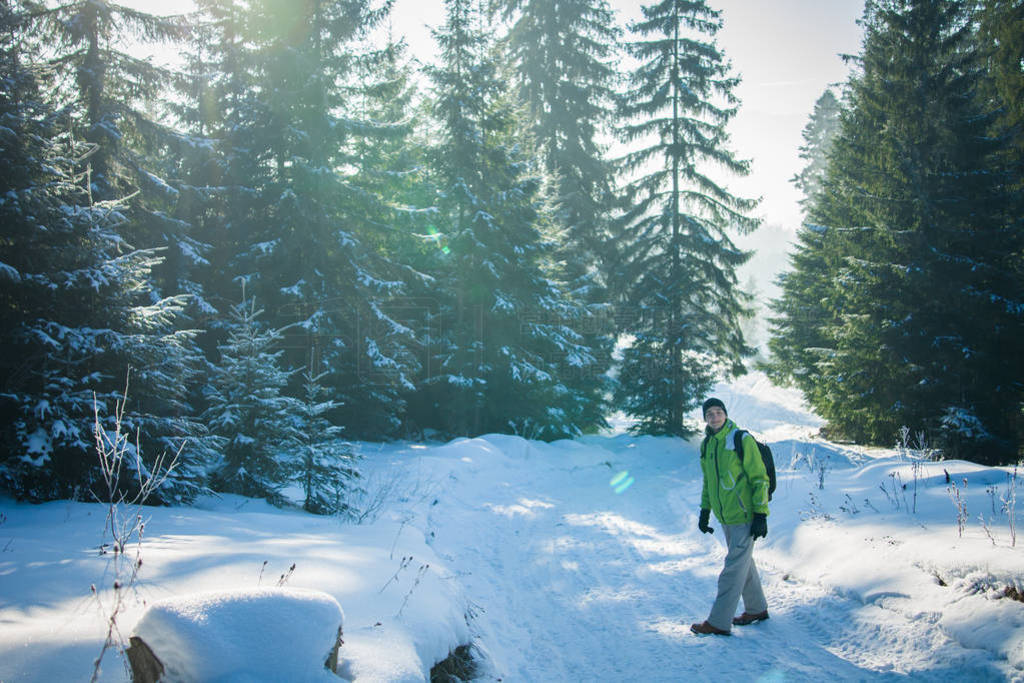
(737, 442)
(704, 446)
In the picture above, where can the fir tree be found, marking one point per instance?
(679, 270)
(324, 463)
(254, 424)
(1001, 36)
(391, 164)
(291, 213)
(798, 332)
(821, 128)
(78, 309)
(921, 298)
(114, 96)
(564, 66)
(500, 317)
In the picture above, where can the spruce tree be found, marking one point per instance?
(915, 201)
(499, 319)
(798, 340)
(1001, 36)
(79, 312)
(115, 98)
(255, 425)
(679, 267)
(818, 134)
(291, 214)
(1001, 32)
(564, 58)
(324, 463)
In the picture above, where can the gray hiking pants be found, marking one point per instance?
(738, 579)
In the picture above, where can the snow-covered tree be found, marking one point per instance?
(78, 310)
(255, 425)
(288, 208)
(679, 267)
(113, 99)
(324, 463)
(913, 288)
(564, 64)
(501, 319)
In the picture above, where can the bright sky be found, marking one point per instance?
(787, 52)
(787, 55)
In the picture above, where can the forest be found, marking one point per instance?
(302, 236)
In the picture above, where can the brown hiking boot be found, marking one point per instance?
(706, 629)
(747, 618)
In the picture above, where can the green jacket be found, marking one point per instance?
(734, 487)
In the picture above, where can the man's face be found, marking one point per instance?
(715, 417)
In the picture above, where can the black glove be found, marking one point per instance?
(759, 527)
(702, 523)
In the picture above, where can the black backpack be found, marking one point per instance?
(766, 456)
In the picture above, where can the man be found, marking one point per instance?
(736, 488)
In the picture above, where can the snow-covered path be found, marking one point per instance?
(557, 571)
(572, 581)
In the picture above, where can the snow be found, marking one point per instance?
(259, 634)
(9, 273)
(537, 555)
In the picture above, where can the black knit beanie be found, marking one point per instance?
(711, 403)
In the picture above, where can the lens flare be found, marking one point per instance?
(436, 236)
(621, 481)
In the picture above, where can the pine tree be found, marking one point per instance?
(564, 66)
(801, 311)
(114, 96)
(499, 317)
(254, 424)
(1001, 36)
(324, 463)
(111, 99)
(679, 270)
(78, 309)
(390, 163)
(821, 128)
(292, 214)
(921, 293)
(1001, 33)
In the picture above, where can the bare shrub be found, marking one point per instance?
(124, 523)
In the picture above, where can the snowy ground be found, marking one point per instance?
(531, 553)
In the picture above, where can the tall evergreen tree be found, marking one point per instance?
(114, 98)
(88, 39)
(394, 168)
(818, 134)
(293, 218)
(924, 301)
(680, 264)
(564, 65)
(1001, 27)
(798, 335)
(499, 317)
(1002, 44)
(564, 58)
(80, 310)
